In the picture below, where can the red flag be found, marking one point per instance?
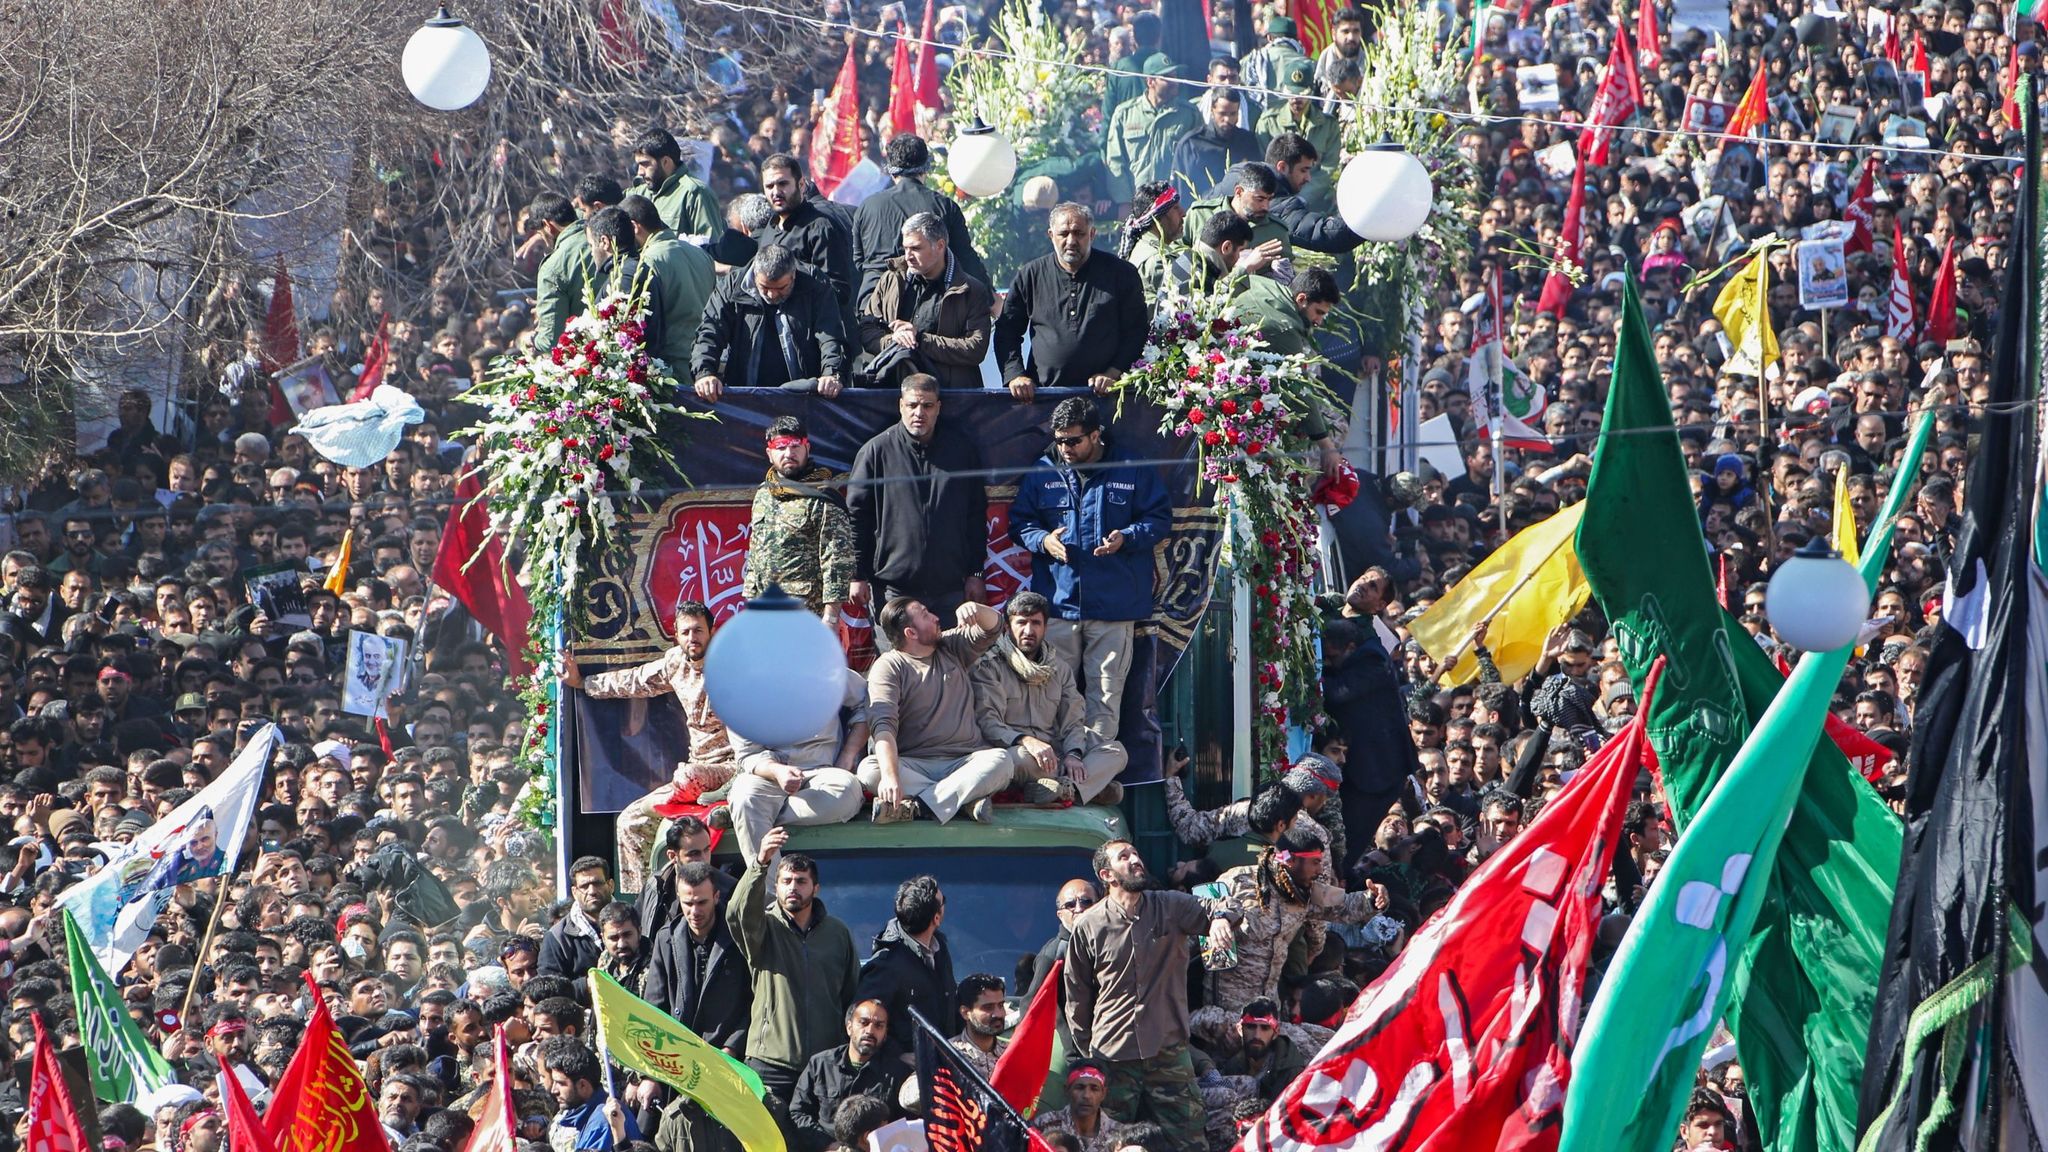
(485, 587)
(1898, 315)
(53, 1124)
(497, 1127)
(2010, 82)
(1616, 100)
(1465, 1042)
(320, 1104)
(1893, 50)
(245, 1131)
(1557, 287)
(1919, 55)
(615, 36)
(1867, 756)
(1859, 209)
(926, 67)
(374, 358)
(1019, 1074)
(902, 90)
(835, 138)
(1754, 110)
(1941, 302)
(280, 341)
(1649, 53)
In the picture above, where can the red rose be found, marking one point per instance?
(618, 403)
(1196, 416)
(1211, 439)
(570, 442)
(606, 452)
(1258, 406)
(1230, 434)
(576, 477)
(1229, 407)
(1253, 447)
(552, 429)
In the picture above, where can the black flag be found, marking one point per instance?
(1933, 1075)
(961, 1112)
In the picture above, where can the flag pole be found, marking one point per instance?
(220, 900)
(1502, 604)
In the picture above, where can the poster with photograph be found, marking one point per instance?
(1823, 274)
(1736, 171)
(1702, 115)
(306, 385)
(374, 672)
(279, 592)
(1837, 125)
(1536, 88)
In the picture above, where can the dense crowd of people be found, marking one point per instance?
(134, 663)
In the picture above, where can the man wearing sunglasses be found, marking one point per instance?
(1090, 517)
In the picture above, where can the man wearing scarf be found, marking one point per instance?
(772, 325)
(878, 222)
(927, 313)
(800, 535)
(1026, 700)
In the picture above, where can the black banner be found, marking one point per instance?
(961, 1112)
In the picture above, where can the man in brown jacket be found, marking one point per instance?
(928, 751)
(926, 314)
(1026, 701)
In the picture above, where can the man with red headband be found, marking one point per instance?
(1087, 1086)
(1265, 1055)
(800, 535)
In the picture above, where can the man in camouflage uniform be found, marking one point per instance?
(1087, 1085)
(800, 535)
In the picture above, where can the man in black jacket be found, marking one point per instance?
(698, 975)
(1085, 311)
(912, 966)
(878, 222)
(869, 1065)
(770, 325)
(920, 510)
(1363, 696)
(571, 947)
(1201, 157)
(822, 243)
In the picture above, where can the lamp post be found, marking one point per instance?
(1385, 194)
(1817, 601)
(981, 162)
(775, 673)
(446, 65)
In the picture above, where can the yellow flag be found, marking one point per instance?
(1527, 588)
(649, 1041)
(337, 580)
(1845, 518)
(1745, 317)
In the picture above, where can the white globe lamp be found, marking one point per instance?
(981, 161)
(446, 64)
(775, 673)
(1817, 601)
(1384, 194)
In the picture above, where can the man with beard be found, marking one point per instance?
(1269, 1058)
(1026, 701)
(800, 535)
(863, 1066)
(1127, 1000)
(1083, 310)
(1250, 199)
(1083, 1117)
(572, 947)
(819, 242)
(920, 510)
(698, 976)
(803, 964)
(711, 763)
(929, 754)
(625, 955)
(979, 999)
(1362, 695)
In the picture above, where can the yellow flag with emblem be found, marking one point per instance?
(1528, 587)
(651, 1042)
(337, 578)
(1745, 315)
(1845, 518)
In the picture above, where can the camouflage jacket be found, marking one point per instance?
(1269, 926)
(800, 537)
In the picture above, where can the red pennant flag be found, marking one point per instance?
(2010, 82)
(1019, 1074)
(1754, 111)
(835, 138)
(1465, 1042)
(245, 1131)
(486, 587)
(1557, 287)
(1616, 100)
(1648, 36)
(321, 1104)
(927, 61)
(1898, 316)
(902, 90)
(1941, 302)
(280, 341)
(497, 1127)
(1867, 756)
(1919, 54)
(1862, 200)
(374, 359)
(1893, 50)
(53, 1123)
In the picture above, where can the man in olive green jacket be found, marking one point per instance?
(803, 962)
(686, 277)
(565, 276)
(1143, 131)
(687, 205)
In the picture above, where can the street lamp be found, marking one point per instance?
(1384, 194)
(1817, 601)
(981, 161)
(446, 64)
(775, 673)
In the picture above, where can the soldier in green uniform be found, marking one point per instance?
(685, 275)
(801, 535)
(1286, 318)
(1252, 201)
(1143, 131)
(1304, 115)
(565, 278)
(687, 204)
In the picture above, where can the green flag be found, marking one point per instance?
(123, 1064)
(1805, 983)
(651, 1042)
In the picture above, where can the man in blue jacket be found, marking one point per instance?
(1090, 519)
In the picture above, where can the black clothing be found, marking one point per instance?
(563, 954)
(1323, 232)
(1363, 697)
(748, 342)
(878, 230)
(901, 978)
(918, 535)
(707, 986)
(1089, 323)
(1204, 156)
(830, 1078)
(825, 245)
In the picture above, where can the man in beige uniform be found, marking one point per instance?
(927, 746)
(711, 763)
(1026, 700)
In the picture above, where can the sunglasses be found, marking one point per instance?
(1070, 441)
(1076, 905)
